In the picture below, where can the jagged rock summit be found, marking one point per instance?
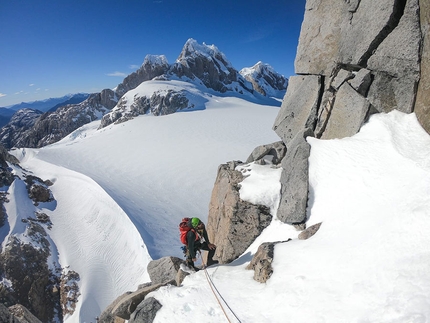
(265, 79)
(209, 65)
(157, 87)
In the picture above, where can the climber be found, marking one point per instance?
(195, 237)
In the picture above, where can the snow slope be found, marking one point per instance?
(151, 170)
(91, 233)
(369, 262)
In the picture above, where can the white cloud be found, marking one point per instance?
(32, 84)
(2, 95)
(133, 67)
(117, 74)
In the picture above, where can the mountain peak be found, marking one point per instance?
(265, 79)
(155, 60)
(193, 49)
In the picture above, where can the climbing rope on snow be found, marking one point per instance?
(213, 288)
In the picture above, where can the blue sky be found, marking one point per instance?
(52, 48)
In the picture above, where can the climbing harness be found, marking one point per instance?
(213, 288)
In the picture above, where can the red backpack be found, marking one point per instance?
(183, 230)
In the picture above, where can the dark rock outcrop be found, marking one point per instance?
(23, 120)
(160, 103)
(152, 67)
(26, 268)
(38, 189)
(146, 311)
(69, 291)
(6, 176)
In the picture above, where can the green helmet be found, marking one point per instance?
(195, 222)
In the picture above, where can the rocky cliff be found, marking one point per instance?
(354, 58)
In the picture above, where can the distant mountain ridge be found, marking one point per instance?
(49, 104)
(199, 68)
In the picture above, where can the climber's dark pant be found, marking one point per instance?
(202, 246)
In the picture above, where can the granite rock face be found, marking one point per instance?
(233, 224)
(354, 58)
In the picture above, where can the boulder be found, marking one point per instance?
(295, 180)
(233, 224)
(261, 263)
(164, 270)
(299, 107)
(275, 151)
(107, 316)
(309, 232)
(146, 311)
(127, 303)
